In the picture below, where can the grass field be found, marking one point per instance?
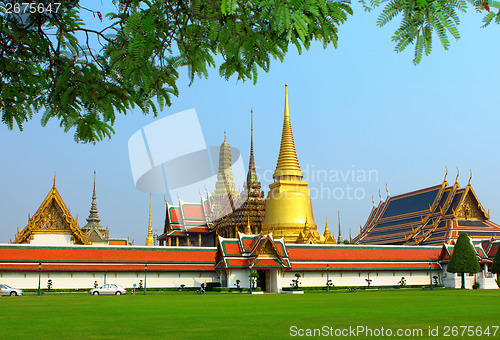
(186, 315)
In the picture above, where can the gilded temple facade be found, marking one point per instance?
(248, 217)
(52, 224)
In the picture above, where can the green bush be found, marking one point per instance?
(234, 289)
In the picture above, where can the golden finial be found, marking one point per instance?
(224, 135)
(149, 240)
(379, 195)
(248, 230)
(373, 201)
(387, 191)
(306, 228)
(458, 173)
(54, 179)
(327, 230)
(288, 164)
(470, 177)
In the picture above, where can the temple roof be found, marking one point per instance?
(430, 216)
(481, 253)
(255, 251)
(187, 217)
(106, 258)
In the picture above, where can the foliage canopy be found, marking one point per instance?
(48, 63)
(421, 19)
(52, 62)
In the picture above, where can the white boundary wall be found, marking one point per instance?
(85, 280)
(276, 280)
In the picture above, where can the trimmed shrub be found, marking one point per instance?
(464, 259)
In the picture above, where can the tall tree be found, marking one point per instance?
(48, 63)
(464, 259)
(496, 263)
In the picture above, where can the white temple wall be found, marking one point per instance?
(274, 283)
(85, 280)
(276, 279)
(485, 278)
(355, 278)
(238, 274)
(46, 239)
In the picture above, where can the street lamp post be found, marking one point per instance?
(39, 276)
(430, 273)
(145, 275)
(251, 280)
(327, 280)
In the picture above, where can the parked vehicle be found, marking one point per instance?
(7, 290)
(108, 289)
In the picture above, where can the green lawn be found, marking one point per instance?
(186, 315)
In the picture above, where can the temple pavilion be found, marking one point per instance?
(430, 216)
(53, 225)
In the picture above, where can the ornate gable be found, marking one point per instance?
(255, 251)
(469, 207)
(53, 217)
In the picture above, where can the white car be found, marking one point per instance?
(7, 290)
(108, 289)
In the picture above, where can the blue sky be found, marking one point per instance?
(360, 107)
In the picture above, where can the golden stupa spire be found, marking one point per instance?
(149, 240)
(288, 164)
(54, 180)
(327, 230)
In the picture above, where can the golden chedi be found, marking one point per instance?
(288, 204)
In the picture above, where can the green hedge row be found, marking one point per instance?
(323, 288)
